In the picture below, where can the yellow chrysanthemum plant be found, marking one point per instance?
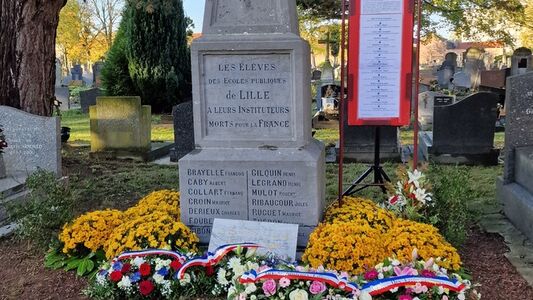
(360, 211)
(159, 201)
(359, 234)
(405, 236)
(153, 223)
(90, 231)
(344, 247)
(157, 230)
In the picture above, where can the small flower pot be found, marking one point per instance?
(65, 134)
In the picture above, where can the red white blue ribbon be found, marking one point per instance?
(151, 252)
(211, 259)
(330, 279)
(381, 286)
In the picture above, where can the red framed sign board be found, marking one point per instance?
(380, 62)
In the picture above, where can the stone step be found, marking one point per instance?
(524, 168)
(518, 205)
(20, 196)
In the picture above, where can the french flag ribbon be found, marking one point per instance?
(327, 278)
(381, 286)
(151, 252)
(211, 259)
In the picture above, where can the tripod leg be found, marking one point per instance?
(384, 175)
(350, 190)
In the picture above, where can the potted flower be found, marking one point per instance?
(3, 145)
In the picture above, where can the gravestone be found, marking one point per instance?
(473, 65)
(444, 75)
(88, 98)
(62, 95)
(521, 61)
(426, 104)
(183, 131)
(97, 73)
(462, 80)
(34, 142)
(515, 187)
(59, 73)
(447, 69)
(77, 73)
(120, 127)
(317, 75)
(519, 117)
(254, 158)
(463, 132)
(327, 95)
(328, 73)
(274, 238)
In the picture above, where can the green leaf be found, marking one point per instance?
(90, 265)
(57, 265)
(73, 264)
(52, 257)
(82, 267)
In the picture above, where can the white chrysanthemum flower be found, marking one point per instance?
(124, 283)
(138, 261)
(158, 278)
(221, 277)
(250, 288)
(238, 271)
(234, 262)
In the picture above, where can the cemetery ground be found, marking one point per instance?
(98, 184)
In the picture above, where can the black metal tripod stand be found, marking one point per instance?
(379, 174)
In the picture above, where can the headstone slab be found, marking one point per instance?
(519, 119)
(276, 238)
(183, 130)
(521, 61)
(34, 142)
(250, 17)
(466, 127)
(88, 98)
(120, 123)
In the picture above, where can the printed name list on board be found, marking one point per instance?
(380, 62)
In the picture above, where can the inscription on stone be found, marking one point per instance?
(248, 96)
(33, 142)
(269, 194)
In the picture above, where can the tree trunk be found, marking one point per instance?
(27, 54)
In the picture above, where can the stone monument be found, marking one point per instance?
(33, 142)
(255, 158)
(447, 69)
(515, 188)
(521, 61)
(473, 65)
(120, 127)
(183, 131)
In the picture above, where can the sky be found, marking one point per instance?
(194, 9)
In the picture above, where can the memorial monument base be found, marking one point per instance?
(277, 185)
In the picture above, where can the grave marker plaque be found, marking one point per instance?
(33, 142)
